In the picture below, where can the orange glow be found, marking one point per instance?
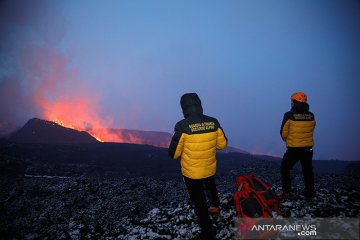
(61, 123)
(100, 140)
(60, 96)
(78, 115)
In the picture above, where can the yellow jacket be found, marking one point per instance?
(196, 139)
(297, 128)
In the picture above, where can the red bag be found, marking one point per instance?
(251, 209)
(250, 203)
(272, 200)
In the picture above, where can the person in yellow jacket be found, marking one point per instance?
(297, 130)
(196, 139)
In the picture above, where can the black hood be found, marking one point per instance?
(300, 107)
(191, 104)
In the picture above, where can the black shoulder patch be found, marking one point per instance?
(199, 124)
(302, 117)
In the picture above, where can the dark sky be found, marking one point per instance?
(125, 64)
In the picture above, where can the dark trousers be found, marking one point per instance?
(291, 156)
(199, 189)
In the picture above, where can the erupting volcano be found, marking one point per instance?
(58, 93)
(50, 132)
(43, 82)
(81, 116)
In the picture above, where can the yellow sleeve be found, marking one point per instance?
(285, 130)
(179, 147)
(221, 142)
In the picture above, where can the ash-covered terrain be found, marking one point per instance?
(86, 207)
(97, 190)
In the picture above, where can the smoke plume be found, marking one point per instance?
(36, 79)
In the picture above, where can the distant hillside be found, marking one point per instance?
(153, 138)
(37, 131)
(47, 132)
(230, 149)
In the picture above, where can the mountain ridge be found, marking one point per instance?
(47, 132)
(37, 130)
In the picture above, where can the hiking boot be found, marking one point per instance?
(214, 212)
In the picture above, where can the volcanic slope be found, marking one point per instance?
(48, 132)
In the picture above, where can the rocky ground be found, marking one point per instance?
(147, 207)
